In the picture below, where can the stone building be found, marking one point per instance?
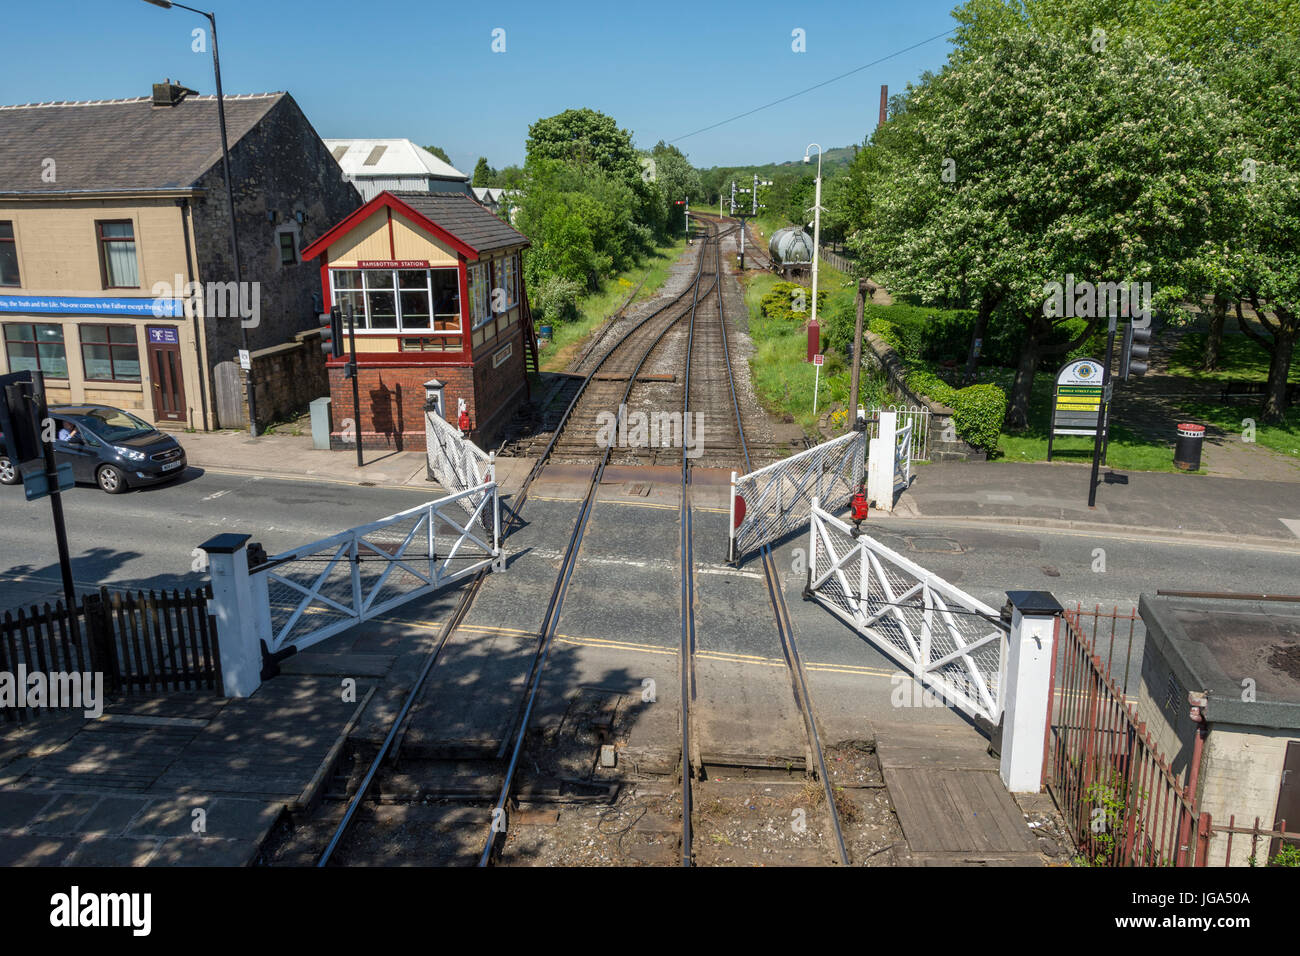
(116, 276)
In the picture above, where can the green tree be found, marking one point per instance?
(1038, 159)
(441, 154)
(484, 175)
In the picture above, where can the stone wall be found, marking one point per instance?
(944, 443)
(281, 167)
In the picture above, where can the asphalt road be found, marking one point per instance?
(147, 539)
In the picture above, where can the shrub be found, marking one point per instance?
(978, 411)
(924, 382)
(780, 302)
(887, 331)
(558, 299)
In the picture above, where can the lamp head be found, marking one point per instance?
(165, 4)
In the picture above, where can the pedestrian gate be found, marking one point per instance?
(303, 596)
(948, 641)
(771, 502)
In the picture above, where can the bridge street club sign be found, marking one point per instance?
(1078, 401)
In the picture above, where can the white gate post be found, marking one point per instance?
(238, 628)
(1027, 695)
(880, 463)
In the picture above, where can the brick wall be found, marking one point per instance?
(392, 399)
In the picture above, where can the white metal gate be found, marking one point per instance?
(456, 462)
(916, 416)
(947, 640)
(303, 596)
(773, 501)
(903, 457)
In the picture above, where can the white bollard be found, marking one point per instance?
(233, 606)
(1027, 670)
(880, 463)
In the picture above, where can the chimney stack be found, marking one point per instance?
(168, 93)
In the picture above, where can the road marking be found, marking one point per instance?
(1293, 524)
(216, 494)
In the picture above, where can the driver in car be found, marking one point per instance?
(67, 431)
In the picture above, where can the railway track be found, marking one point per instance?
(637, 372)
(715, 387)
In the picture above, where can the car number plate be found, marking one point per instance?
(171, 465)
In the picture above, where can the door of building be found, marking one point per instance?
(165, 373)
(1288, 796)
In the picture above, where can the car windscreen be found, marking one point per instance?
(112, 424)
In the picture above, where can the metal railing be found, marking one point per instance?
(947, 640)
(915, 417)
(773, 501)
(1122, 803)
(315, 591)
(1281, 842)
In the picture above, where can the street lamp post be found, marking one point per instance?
(814, 330)
(230, 195)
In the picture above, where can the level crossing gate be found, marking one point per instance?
(948, 641)
(310, 593)
(455, 462)
(773, 501)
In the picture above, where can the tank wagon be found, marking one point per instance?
(791, 250)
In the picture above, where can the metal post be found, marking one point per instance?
(230, 200)
(1102, 421)
(857, 344)
(817, 232)
(56, 498)
(352, 367)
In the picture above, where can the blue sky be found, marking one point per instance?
(426, 71)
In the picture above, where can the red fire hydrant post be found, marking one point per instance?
(463, 423)
(859, 509)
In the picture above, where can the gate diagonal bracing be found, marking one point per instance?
(777, 499)
(947, 640)
(456, 462)
(315, 591)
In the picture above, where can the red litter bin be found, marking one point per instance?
(1187, 453)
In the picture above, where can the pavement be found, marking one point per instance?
(1240, 511)
(1243, 511)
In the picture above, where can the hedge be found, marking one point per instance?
(978, 412)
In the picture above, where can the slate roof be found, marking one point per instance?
(473, 224)
(119, 145)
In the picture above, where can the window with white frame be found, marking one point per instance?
(480, 314)
(401, 300)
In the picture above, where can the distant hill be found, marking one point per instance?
(839, 156)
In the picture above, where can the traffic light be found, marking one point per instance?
(331, 334)
(18, 425)
(1133, 356)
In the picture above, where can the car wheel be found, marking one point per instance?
(8, 473)
(111, 479)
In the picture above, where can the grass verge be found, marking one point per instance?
(596, 307)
